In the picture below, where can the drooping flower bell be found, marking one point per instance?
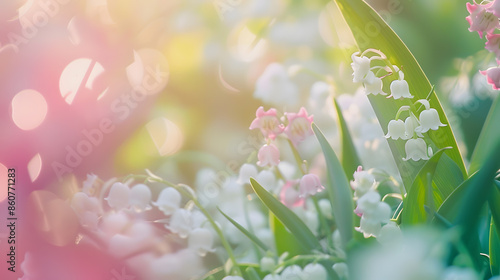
(201, 240)
(396, 130)
(168, 201)
(267, 122)
(247, 171)
(493, 75)
(399, 88)
(480, 19)
(429, 118)
(118, 197)
(373, 84)
(315, 271)
(268, 155)
(363, 182)
(310, 184)
(140, 198)
(411, 123)
(180, 223)
(299, 126)
(360, 67)
(416, 149)
(493, 44)
(494, 8)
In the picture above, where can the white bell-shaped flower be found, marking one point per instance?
(411, 123)
(168, 201)
(87, 209)
(247, 170)
(201, 240)
(118, 197)
(429, 118)
(140, 198)
(272, 277)
(389, 234)
(396, 130)
(363, 182)
(399, 88)
(180, 223)
(293, 272)
(267, 179)
(369, 227)
(360, 67)
(341, 269)
(315, 271)
(369, 201)
(416, 149)
(373, 84)
(233, 278)
(267, 264)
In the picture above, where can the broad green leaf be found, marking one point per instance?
(283, 239)
(494, 250)
(370, 31)
(450, 207)
(248, 234)
(338, 188)
(350, 159)
(488, 139)
(289, 219)
(418, 196)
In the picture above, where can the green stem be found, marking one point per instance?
(297, 157)
(323, 222)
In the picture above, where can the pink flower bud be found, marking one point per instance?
(268, 155)
(493, 75)
(310, 185)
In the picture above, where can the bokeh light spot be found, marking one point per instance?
(34, 167)
(166, 135)
(82, 71)
(29, 109)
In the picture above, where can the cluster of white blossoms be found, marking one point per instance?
(410, 129)
(118, 214)
(375, 214)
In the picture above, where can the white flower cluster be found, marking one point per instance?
(412, 128)
(374, 212)
(311, 271)
(116, 214)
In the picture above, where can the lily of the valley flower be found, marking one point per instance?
(310, 184)
(268, 123)
(429, 118)
(494, 8)
(360, 67)
(201, 240)
(299, 126)
(140, 198)
(315, 271)
(373, 84)
(290, 196)
(416, 149)
(493, 75)
(399, 88)
(275, 87)
(396, 130)
(180, 223)
(118, 197)
(411, 123)
(247, 171)
(168, 201)
(480, 19)
(493, 44)
(363, 182)
(268, 155)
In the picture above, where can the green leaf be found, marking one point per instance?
(338, 189)
(494, 250)
(350, 159)
(248, 234)
(370, 31)
(421, 193)
(289, 219)
(251, 274)
(284, 240)
(488, 139)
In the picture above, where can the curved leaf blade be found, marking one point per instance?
(289, 219)
(338, 189)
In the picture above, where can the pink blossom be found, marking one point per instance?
(290, 196)
(494, 8)
(268, 155)
(310, 184)
(493, 44)
(493, 75)
(480, 19)
(299, 126)
(268, 123)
